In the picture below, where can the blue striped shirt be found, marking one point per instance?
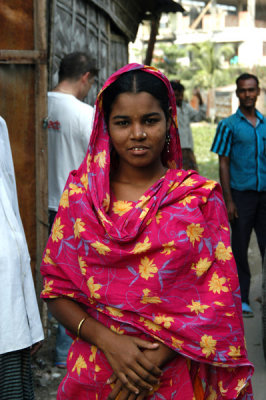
(245, 145)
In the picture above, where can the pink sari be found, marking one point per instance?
(160, 268)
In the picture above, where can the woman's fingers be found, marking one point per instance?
(116, 390)
(144, 344)
(154, 371)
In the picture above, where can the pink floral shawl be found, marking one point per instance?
(162, 265)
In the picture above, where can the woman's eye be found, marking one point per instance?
(122, 123)
(151, 121)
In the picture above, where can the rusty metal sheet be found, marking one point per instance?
(17, 24)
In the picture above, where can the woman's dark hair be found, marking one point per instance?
(136, 82)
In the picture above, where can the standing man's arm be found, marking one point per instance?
(224, 172)
(200, 114)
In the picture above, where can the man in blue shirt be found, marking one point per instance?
(240, 142)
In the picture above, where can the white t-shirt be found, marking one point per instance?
(69, 129)
(20, 325)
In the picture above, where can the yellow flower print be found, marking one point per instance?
(93, 287)
(144, 213)
(103, 217)
(143, 201)
(117, 330)
(93, 354)
(150, 324)
(82, 265)
(64, 202)
(229, 314)
(141, 247)
(194, 232)
(209, 184)
(85, 181)
(216, 284)
(197, 307)
(57, 231)
(47, 287)
(168, 248)
(158, 217)
(106, 202)
(78, 227)
(219, 303)
(188, 182)
(172, 186)
(241, 383)
(222, 253)
(163, 320)
(121, 207)
(100, 248)
(202, 266)
(222, 390)
(74, 189)
(207, 345)
(187, 200)
(88, 162)
(204, 199)
(47, 259)
(116, 312)
(212, 395)
(176, 343)
(146, 299)
(234, 352)
(79, 364)
(70, 355)
(147, 269)
(225, 228)
(100, 158)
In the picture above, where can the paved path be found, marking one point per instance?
(253, 326)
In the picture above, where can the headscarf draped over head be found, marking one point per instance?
(162, 265)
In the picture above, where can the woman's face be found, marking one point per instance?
(137, 127)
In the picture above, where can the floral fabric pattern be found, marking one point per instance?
(160, 268)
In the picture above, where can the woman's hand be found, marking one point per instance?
(159, 357)
(129, 363)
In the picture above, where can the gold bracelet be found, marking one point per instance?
(79, 326)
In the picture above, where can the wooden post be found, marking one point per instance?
(153, 34)
(41, 144)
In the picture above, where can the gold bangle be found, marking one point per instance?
(79, 326)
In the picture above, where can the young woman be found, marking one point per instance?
(139, 266)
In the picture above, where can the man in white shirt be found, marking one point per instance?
(20, 327)
(185, 115)
(69, 127)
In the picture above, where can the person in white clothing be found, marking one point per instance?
(69, 127)
(20, 329)
(185, 115)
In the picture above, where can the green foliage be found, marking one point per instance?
(203, 134)
(166, 59)
(206, 64)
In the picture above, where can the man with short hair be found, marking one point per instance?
(69, 128)
(240, 142)
(185, 115)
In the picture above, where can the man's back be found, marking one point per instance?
(69, 127)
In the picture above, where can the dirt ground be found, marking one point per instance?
(47, 377)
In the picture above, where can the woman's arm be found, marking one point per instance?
(124, 353)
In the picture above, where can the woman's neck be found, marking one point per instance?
(130, 184)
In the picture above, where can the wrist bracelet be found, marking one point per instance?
(79, 326)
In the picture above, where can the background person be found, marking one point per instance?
(69, 127)
(185, 115)
(240, 142)
(20, 327)
(138, 264)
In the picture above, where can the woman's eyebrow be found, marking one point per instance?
(152, 114)
(120, 116)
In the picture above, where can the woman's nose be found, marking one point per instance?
(138, 132)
